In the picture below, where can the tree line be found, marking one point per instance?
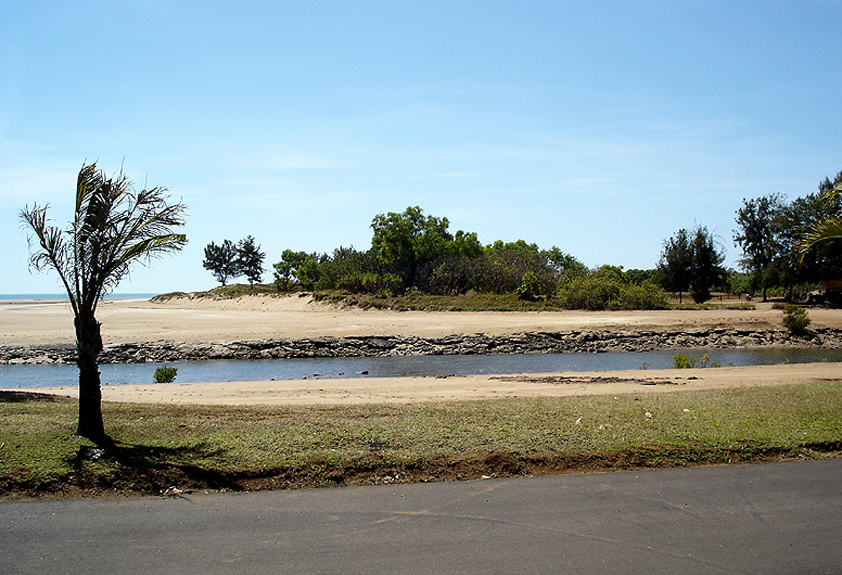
(791, 246)
(412, 251)
(788, 248)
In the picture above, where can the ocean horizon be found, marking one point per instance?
(60, 296)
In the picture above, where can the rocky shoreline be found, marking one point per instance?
(476, 344)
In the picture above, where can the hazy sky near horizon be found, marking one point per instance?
(598, 127)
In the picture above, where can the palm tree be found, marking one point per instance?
(113, 227)
(826, 228)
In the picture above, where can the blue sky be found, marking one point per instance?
(598, 127)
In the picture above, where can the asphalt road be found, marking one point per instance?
(783, 518)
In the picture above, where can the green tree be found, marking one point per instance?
(676, 263)
(760, 222)
(309, 273)
(691, 261)
(706, 268)
(466, 245)
(113, 227)
(504, 264)
(528, 288)
(404, 242)
(286, 270)
(564, 263)
(637, 276)
(250, 260)
(821, 261)
(221, 261)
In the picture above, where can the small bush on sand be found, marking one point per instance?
(795, 318)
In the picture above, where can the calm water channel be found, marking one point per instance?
(281, 369)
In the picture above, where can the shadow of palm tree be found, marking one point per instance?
(160, 464)
(27, 396)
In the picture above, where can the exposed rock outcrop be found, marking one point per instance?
(476, 344)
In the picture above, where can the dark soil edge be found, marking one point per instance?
(377, 469)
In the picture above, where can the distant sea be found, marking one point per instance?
(61, 296)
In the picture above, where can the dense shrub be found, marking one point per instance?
(449, 275)
(647, 295)
(599, 291)
(589, 292)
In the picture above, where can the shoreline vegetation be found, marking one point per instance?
(414, 300)
(167, 449)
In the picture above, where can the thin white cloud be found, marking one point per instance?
(279, 161)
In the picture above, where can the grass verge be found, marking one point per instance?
(165, 449)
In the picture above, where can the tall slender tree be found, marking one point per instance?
(250, 260)
(706, 269)
(691, 261)
(113, 227)
(676, 263)
(760, 221)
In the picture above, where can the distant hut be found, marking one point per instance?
(832, 291)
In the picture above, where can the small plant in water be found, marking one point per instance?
(165, 374)
(684, 361)
(706, 361)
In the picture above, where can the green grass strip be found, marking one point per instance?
(264, 447)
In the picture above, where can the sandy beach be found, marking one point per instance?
(257, 317)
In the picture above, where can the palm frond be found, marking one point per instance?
(112, 227)
(827, 229)
(831, 198)
(52, 251)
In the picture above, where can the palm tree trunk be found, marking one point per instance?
(88, 348)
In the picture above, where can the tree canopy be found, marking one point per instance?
(404, 242)
(691, 261)
(221, 260)
(761, 225)
(250, 260)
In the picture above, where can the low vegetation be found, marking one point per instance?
(414, 300)
(165, 374)
(163, 449)
(684, 361)
(796, 318)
